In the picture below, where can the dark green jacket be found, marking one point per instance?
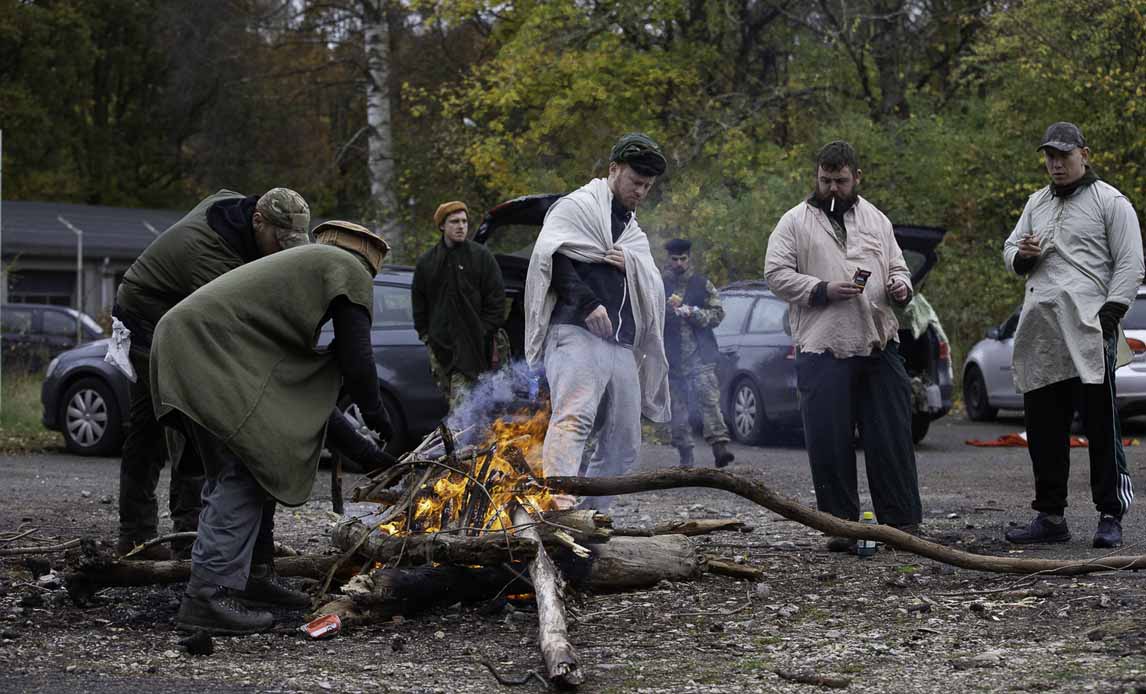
(240, 358)
(458, 302)
(186, 256)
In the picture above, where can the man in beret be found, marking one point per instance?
(595, 307)
(459, 305)
(694, 309)
(222, 232)
(835, 260)
(1079, 245)
(259, 405)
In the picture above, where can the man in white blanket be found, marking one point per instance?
(595, 310)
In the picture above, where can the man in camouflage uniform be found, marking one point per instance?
(694, 309)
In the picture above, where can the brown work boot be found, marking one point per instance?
(721, 454)
(152, 553)
(264, 587)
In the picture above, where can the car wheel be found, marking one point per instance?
(747, 410)
(92, 423)
(920, 423)
(975, 396)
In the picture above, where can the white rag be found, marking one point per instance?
(579, 226)
(119, 348)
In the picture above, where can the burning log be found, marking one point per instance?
(561, 661)
(91, 567)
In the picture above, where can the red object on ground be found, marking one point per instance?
(1018, 441)
(323, 627)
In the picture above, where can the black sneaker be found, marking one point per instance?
(209, 608)
(264, 587)
(1040, 531)
(842, 544)
(1109, 533)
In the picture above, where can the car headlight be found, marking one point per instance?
(51, 367)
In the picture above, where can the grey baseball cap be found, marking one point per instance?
(1063, 136)
(289, 213)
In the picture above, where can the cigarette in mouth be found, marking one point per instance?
(833, 205)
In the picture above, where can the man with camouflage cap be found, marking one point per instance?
(219, 234)
(459, 305)
(694, 309)
(260, 405)
(1079, 246)
(594, 312)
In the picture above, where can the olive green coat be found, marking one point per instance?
(186, 256)
(240, 358)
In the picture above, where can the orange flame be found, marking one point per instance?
(453, 499)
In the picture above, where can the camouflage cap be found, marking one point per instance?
(288, 213)
(1063, 136)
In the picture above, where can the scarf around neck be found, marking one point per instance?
(1065, 191)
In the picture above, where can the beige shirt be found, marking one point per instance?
(1091, 254)
(804, 251)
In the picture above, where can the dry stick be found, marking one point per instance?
(560, 659)
(13, 551)
(810, 678)
(172, 537)
(18, 536)
(789, 508)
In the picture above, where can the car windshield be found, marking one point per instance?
(914, 261)
(1136, 317)
(736, 307)
(513, 239)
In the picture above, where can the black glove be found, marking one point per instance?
(372, 457)
(379, 422)
(1109, 316)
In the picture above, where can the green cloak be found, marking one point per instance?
(240, 358)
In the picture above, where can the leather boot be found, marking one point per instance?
(685, 456)
(264, 587)
(152, 553)
(721, 454)
(209, 607)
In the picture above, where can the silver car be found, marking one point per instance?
(988, 386)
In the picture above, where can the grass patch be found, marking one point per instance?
(20, 412)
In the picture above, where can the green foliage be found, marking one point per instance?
(20, 427)
(157, 103)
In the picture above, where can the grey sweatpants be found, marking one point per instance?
(581, 369)
(236, 525)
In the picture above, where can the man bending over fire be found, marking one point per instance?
(595, 311)
(236, 368)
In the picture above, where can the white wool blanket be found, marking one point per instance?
(578, 226)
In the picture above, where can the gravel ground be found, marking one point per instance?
(895, 623)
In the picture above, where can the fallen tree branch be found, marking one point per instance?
(43, 549)
(716, 565)
(761, 494)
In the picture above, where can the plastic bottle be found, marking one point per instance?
(865, 549)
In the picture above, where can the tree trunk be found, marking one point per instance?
(793, 510)
(383, 212)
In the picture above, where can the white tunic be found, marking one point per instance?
(1091, 254)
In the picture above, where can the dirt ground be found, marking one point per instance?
(894, 623)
